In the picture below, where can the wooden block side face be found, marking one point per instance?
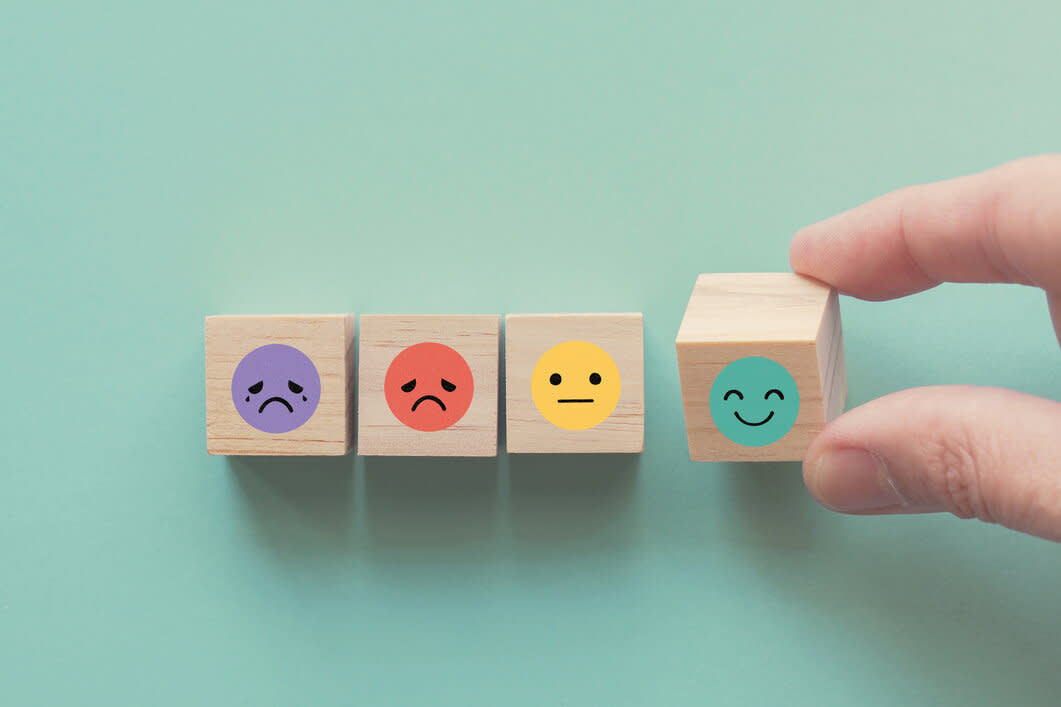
(754, 307)
(263, 376)
(428, 385)
(836, 387)
(763, 414)
(350, 366)
(574, 383)
(831, 364)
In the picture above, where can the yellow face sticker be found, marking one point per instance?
(575, 385)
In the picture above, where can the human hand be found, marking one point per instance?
(986, 453)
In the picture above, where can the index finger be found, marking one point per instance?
(1002, 225)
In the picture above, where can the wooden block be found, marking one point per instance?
(761, 362)
(574, 383)
(427, 385)
(280, 385)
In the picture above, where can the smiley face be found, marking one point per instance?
(428, 386)
(276, 388)
(754, 401)
(575, 385)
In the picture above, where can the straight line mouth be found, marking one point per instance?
(575, 400)
(428, 397)
(276, 399)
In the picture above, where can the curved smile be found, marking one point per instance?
(425, 398)
(276, 399)
(754, 424)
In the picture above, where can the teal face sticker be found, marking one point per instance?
(754, 401)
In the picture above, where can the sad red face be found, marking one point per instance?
(428, 386)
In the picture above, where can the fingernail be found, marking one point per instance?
(853, 480)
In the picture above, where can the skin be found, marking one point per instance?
(986, 453)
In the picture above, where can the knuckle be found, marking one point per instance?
(955, 462)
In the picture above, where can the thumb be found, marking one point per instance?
(986, 453)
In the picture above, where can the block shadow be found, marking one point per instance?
(773, 512)
(565, 501)
(430, 505)
(299, 507)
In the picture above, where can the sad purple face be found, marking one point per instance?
(276, 388)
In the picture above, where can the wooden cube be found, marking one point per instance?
(574, 383)
(427, 385)
(279, 385)
(761, 362)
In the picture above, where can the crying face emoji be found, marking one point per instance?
(276, 388)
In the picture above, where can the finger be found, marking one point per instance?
(1002, 225)
(984, 453)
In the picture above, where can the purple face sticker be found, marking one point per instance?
(276, 388)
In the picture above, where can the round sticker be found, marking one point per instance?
(276, 388)
(575, 385)
(754, 401)
(428, 386)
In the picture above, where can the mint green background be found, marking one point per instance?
(164, 161)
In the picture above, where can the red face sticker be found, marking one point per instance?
(428, 386)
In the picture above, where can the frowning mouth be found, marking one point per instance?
(424, 398)
(276, 399)
(754, 424)
(575, 400)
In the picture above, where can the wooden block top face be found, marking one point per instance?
(279, 385)
(574, 383)
(427, 385)
(734, 307)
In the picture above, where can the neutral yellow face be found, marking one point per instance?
(575, 385)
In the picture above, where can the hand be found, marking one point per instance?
(986, 453)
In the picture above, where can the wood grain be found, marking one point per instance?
(382, 337)
(528, 336)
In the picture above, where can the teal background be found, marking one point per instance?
(164, 161)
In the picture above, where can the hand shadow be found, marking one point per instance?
(871, 577)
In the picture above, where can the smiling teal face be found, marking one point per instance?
(754, 401)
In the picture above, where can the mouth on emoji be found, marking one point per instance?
(754, 424)
(425, 398)
(276, 399)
